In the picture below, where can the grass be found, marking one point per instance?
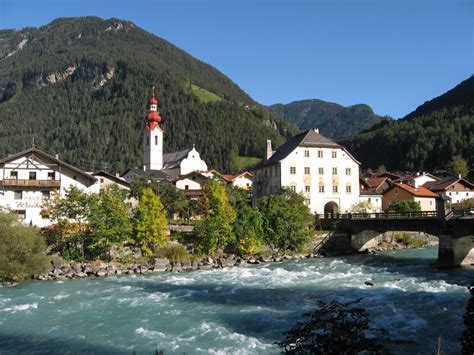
(204, 95)
(243, 162)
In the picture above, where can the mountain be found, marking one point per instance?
(428, 138)
(333, 120)
(80, 86)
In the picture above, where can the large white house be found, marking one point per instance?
(29, 177)
(324, 172)
(157, 164)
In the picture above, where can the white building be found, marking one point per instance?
(167, 166)
(456, 189)
(32, 176)
(324, 172)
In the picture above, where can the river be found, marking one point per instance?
(235, 310)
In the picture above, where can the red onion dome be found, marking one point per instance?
(154, 116)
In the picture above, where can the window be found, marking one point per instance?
(368, 200)
(348, 171)
(320, 153)
(292, 170)
(348, 189)
(307, 201)
(321, 188)
(186, 187)
(307, 170)
(14, 175)
(306, 153)
(156, 140)
(450, 194)
(396, 191)
(18, 195)
(51, 175)
(334, 188)
(21, 214)
(334, 171)
(307, 188)
(431, 203)
(32, 175)
(101, 180)
(334, 154)
(293, 188)
(45, 195)
(321, 171)
(74, 177)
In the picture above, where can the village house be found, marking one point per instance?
(418, 179)
(399, 192)
(454, 188)
(31, 176)
(324, 172)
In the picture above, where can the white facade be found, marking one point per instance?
(32, 176)
(458, 196)
(242, 181)
(183, 162)
(153, 149)
(375, 201)
(317, 168)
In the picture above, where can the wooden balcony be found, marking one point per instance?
(29, 183)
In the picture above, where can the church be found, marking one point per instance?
(155, 163)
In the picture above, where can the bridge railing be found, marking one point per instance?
(382, 215)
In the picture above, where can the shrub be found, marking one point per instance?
(335, 328)
(403, 206)
(22, 250)
(176, 253)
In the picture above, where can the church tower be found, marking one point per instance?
(153, 138)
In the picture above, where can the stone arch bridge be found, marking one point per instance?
(455, 231)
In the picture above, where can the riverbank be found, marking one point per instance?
(62, 270)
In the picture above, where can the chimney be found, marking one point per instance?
(117, 175)
(269, 149)
(316, 130)
(56, 156)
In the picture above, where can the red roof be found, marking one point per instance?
(418, 192)
(376, 182)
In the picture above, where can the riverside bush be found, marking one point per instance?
(176, 253)
(22, 250)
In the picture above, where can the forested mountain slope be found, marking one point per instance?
(428, 138)
(80, 86)
(333, 120)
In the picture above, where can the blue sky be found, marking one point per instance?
(392, 55)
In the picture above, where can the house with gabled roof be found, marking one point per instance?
(323, 171)
(418, 179)
(31, 176)
(456, 189)
(400, 192)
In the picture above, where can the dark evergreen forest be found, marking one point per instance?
(333, 120)
(80, 86)
(427, 138)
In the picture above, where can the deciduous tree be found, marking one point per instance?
(150, 222)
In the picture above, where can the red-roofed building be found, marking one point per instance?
(402, 192)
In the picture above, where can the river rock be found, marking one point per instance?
(368, 283)
(253, 261)
(77, 267)
(118, 272)
(187, 266)
(100, 273)
(57, 263)
(205, 267)
(80, 275)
